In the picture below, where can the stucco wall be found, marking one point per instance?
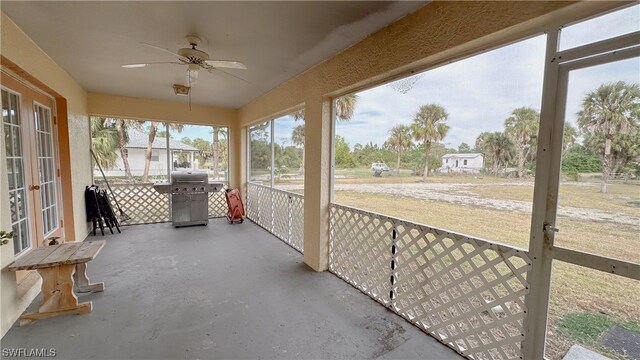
(19, 49)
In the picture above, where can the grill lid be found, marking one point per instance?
(188, 177)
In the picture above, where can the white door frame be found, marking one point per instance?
(542, 251)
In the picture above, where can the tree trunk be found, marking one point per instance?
(147, 157)
(124, 152)
(398, 163)
(607, 165)
(201, 159)
(521, 161)
(427, 150)
(215, 149)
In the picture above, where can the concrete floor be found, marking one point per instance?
(220, 292)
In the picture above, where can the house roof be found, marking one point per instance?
(138, 139)
(462, 156)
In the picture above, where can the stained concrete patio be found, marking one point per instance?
(221, 292)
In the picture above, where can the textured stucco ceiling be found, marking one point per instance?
(276, 40)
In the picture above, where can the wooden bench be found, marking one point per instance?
(58, 265)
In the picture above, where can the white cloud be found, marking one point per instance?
(478, 93)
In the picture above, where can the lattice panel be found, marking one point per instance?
(360, 250)
(279, 212)
(260, 205)
(281, 215)
(218, 203)
(141, 202)
(466, 292)
(252, 202)
(296, 227)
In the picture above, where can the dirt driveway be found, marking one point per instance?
(455, 193)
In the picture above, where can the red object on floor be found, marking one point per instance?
(236, 208)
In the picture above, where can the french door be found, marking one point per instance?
(31, 165)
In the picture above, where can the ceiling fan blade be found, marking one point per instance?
(212, 71)
(230, 64)
(133, 66)
(163, 49)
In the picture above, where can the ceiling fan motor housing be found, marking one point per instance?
(194, 55)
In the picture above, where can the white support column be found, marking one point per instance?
(544, 207)
(317, 182)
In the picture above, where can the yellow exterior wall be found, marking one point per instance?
(149, 109)
(18, 48)
(441, 31)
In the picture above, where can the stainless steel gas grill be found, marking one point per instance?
(189, 197)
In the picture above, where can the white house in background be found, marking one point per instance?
(465, 163)
(137, 147)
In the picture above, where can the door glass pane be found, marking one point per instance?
(8, 143)
(11, 174)
(598, 210)
(16, 142)
(15, 170)
(594, 310)
(599, 196)
(46, 168)
(24, 235)
(22, 203)
(600, 28)
(19, 174)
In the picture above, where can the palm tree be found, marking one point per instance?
(153, 129)
(204, 151)
(122, 125)
(215, 149)
(399, 140)
(429, 127)
(345, 108)
(609, 111)
(501, 148)
(569, 137)
(104, 142)
(297, 137)
(522, 127)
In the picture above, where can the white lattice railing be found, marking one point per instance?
(144, 205)
(277, 211)
(466, 292)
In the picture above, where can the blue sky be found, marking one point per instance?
(193, 132)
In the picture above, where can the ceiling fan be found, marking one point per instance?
(194, 59)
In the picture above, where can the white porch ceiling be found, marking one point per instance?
(276, 40)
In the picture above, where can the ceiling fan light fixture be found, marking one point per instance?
(181, 90)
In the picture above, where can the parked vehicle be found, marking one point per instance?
(379, 167)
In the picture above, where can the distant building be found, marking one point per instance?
(465, 163)
(137, 148)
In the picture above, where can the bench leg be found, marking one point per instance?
(57, 295)
(82, 281)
